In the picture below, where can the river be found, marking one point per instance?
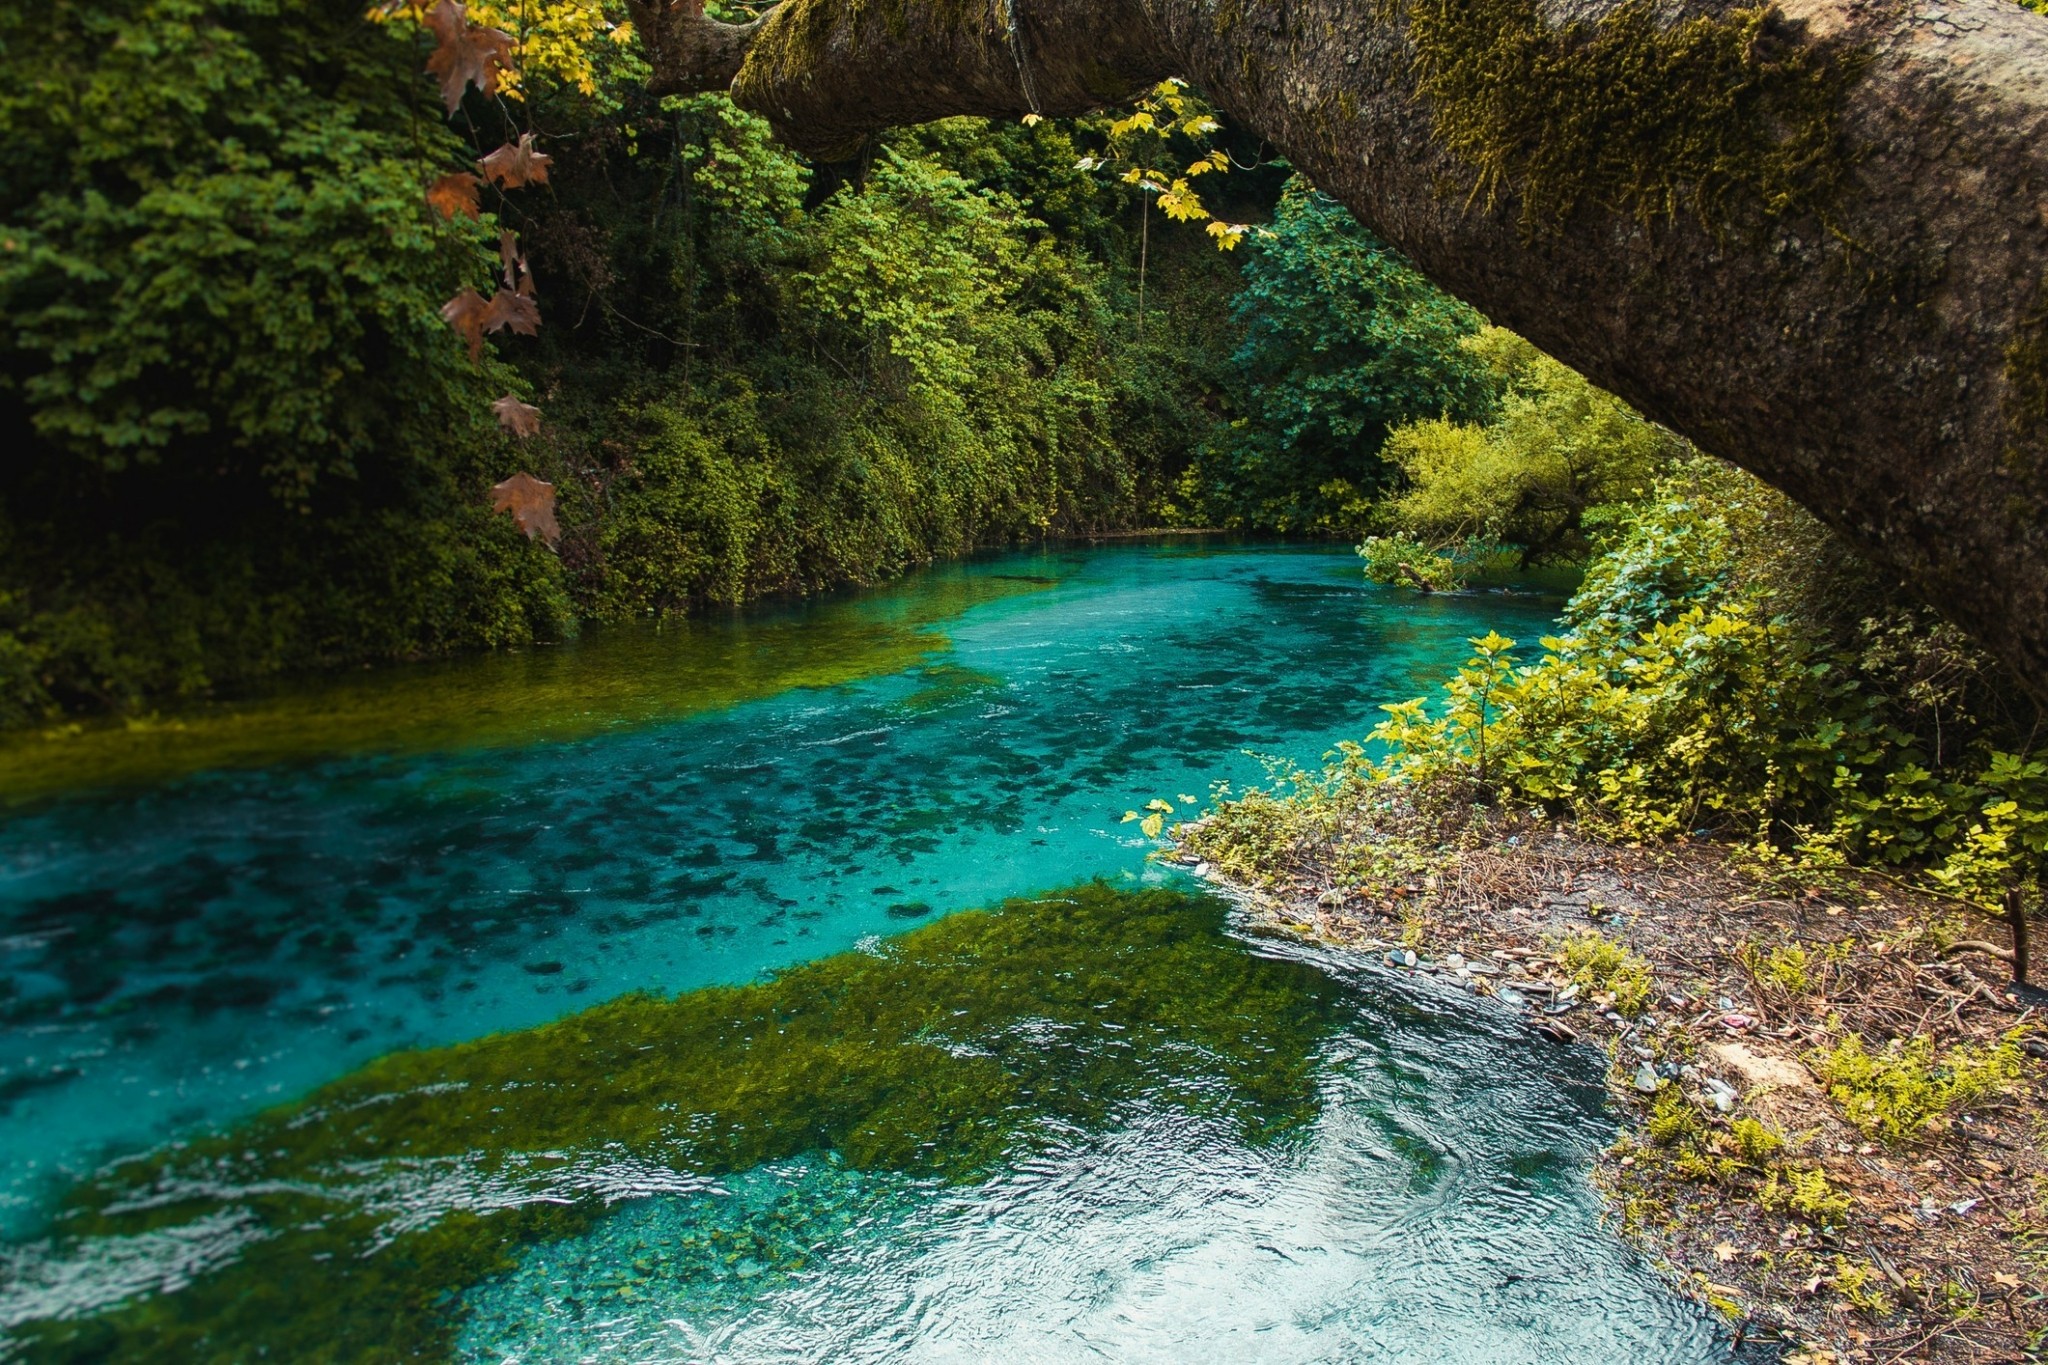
(616, 1001)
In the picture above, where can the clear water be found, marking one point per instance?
(415, 860)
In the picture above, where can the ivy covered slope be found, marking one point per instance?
(241, 440)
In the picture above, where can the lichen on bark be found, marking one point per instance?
(2026, 380)
(1717, 115)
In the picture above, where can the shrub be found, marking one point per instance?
(1600, 964)
(1905, 1089)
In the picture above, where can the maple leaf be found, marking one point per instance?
(465, 54)
(453, 194)
(521, 419)
(510, 308)
(531, 502)
(517, 164)
(466, 313)
(517, 275)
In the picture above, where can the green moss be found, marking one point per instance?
(2026, 385)
(798, 37)
(945, 1054)
(1718, 115)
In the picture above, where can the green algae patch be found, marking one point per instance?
(946, 685)
(625, 676)
(947, 1054)
(1723, 115)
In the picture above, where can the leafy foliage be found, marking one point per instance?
(1905, 1090)
(1343, 341)
(1557, 457)
(214, 248)
(1726, 668)
(257, 371)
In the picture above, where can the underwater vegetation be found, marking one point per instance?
(941, 1055)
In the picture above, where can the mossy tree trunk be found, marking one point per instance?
(1813, 237)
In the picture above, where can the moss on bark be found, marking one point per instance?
(1718, 115)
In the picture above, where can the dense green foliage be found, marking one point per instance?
(1555, 462)
(1342, 342)
(951, 1053)
(246, 443)
(1727, 668)
(1557, 455)
(239, 436)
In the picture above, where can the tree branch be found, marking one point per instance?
(1812, 236)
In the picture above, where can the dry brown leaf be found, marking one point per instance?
(453, 194)
(509, 308)
(1725, 1252)
(521, 419)
(511, 258)
(465, 54)
(517, 164)
(466, 313)
(531, 502)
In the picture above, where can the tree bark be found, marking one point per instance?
(1812, 238)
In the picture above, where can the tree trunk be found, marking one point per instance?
(1812, 237)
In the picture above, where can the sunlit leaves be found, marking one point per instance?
(555, 39)
(1153, 822)
(465, 53)
(517, 164)
(1181, 204)
(1145, 139)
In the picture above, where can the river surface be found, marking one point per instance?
(614, 1002)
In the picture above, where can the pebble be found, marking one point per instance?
(1510, 997)
(1570, 992)
(1331, 900)
(1201, 869)
(1647, 1079)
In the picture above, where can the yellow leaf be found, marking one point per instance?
(1152, 825)
(1129, 816)
(1033, 120)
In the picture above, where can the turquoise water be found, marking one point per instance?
(181, 955)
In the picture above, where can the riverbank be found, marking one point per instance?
(1857, 1199)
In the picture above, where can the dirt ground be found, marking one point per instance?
(1928, 1247)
